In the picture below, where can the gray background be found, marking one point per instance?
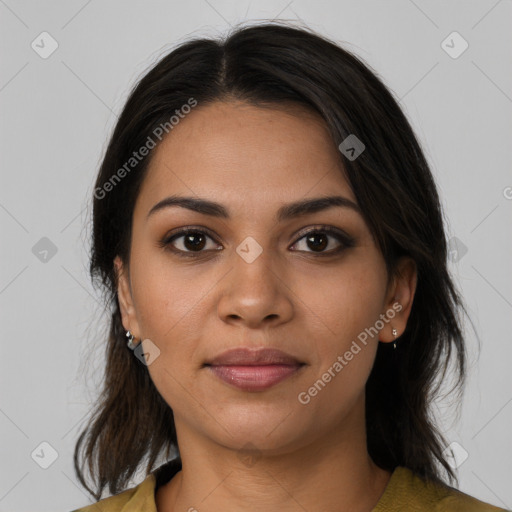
(57, 114)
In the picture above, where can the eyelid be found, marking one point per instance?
(323, 228)
(187, 229)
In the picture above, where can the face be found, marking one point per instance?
(310, 283)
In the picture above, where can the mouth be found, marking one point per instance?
(254, 370)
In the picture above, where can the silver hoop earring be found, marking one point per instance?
(130, 343)
(394, 332)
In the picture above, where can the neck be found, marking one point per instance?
(334, 472)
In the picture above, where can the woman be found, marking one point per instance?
(271, 242)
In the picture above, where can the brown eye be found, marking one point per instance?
(319, 239)
(189, 241)
(194, 241)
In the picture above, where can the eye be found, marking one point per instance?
(191, 242)
(318, 240)
(188, 242)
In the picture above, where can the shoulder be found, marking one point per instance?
(138, 498)
(406, 491)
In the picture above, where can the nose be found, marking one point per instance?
(256, 294)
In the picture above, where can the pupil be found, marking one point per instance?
(189, 244)
(318, 245)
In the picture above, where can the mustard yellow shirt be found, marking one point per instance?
(405, 492)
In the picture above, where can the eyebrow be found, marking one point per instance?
(286, 212)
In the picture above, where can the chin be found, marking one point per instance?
(264, 426)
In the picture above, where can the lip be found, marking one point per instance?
(254, 370)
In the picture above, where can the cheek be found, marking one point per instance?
(343, 303)
(342, 306)
(168, 296)
(170, 306)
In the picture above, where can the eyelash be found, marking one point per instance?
(345, 240)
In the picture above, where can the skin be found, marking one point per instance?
(310, 457)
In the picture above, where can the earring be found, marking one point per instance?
(130, 343)
(394, 332)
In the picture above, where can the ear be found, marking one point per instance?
(124, 295)
(399, 299)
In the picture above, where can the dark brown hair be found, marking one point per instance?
(273, 64)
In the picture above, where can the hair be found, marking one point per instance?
(271, 65)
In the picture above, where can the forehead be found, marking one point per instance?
(246, 157)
